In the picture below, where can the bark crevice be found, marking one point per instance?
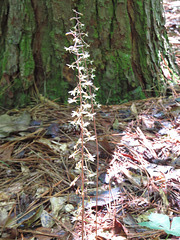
(39, 72)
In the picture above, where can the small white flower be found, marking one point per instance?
(74, 91)
(86, 124)
(87, 105)
(93, 76)
(81, 68)
(89, 83)
(71, 66)
(86, 55)
(74, 113)
(72, 100)
(77, 40)
(92, 138)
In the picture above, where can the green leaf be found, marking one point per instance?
(162, 222)
(175, 227)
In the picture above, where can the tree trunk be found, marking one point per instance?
(127, 38)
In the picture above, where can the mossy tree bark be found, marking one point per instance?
(127, 38)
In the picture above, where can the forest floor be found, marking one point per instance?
(139, 169)
(172, 14)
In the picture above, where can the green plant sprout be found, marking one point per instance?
(162, 222)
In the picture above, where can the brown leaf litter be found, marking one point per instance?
(139, 172)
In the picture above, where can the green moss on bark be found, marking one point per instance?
(26, 57)
(125, 39)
